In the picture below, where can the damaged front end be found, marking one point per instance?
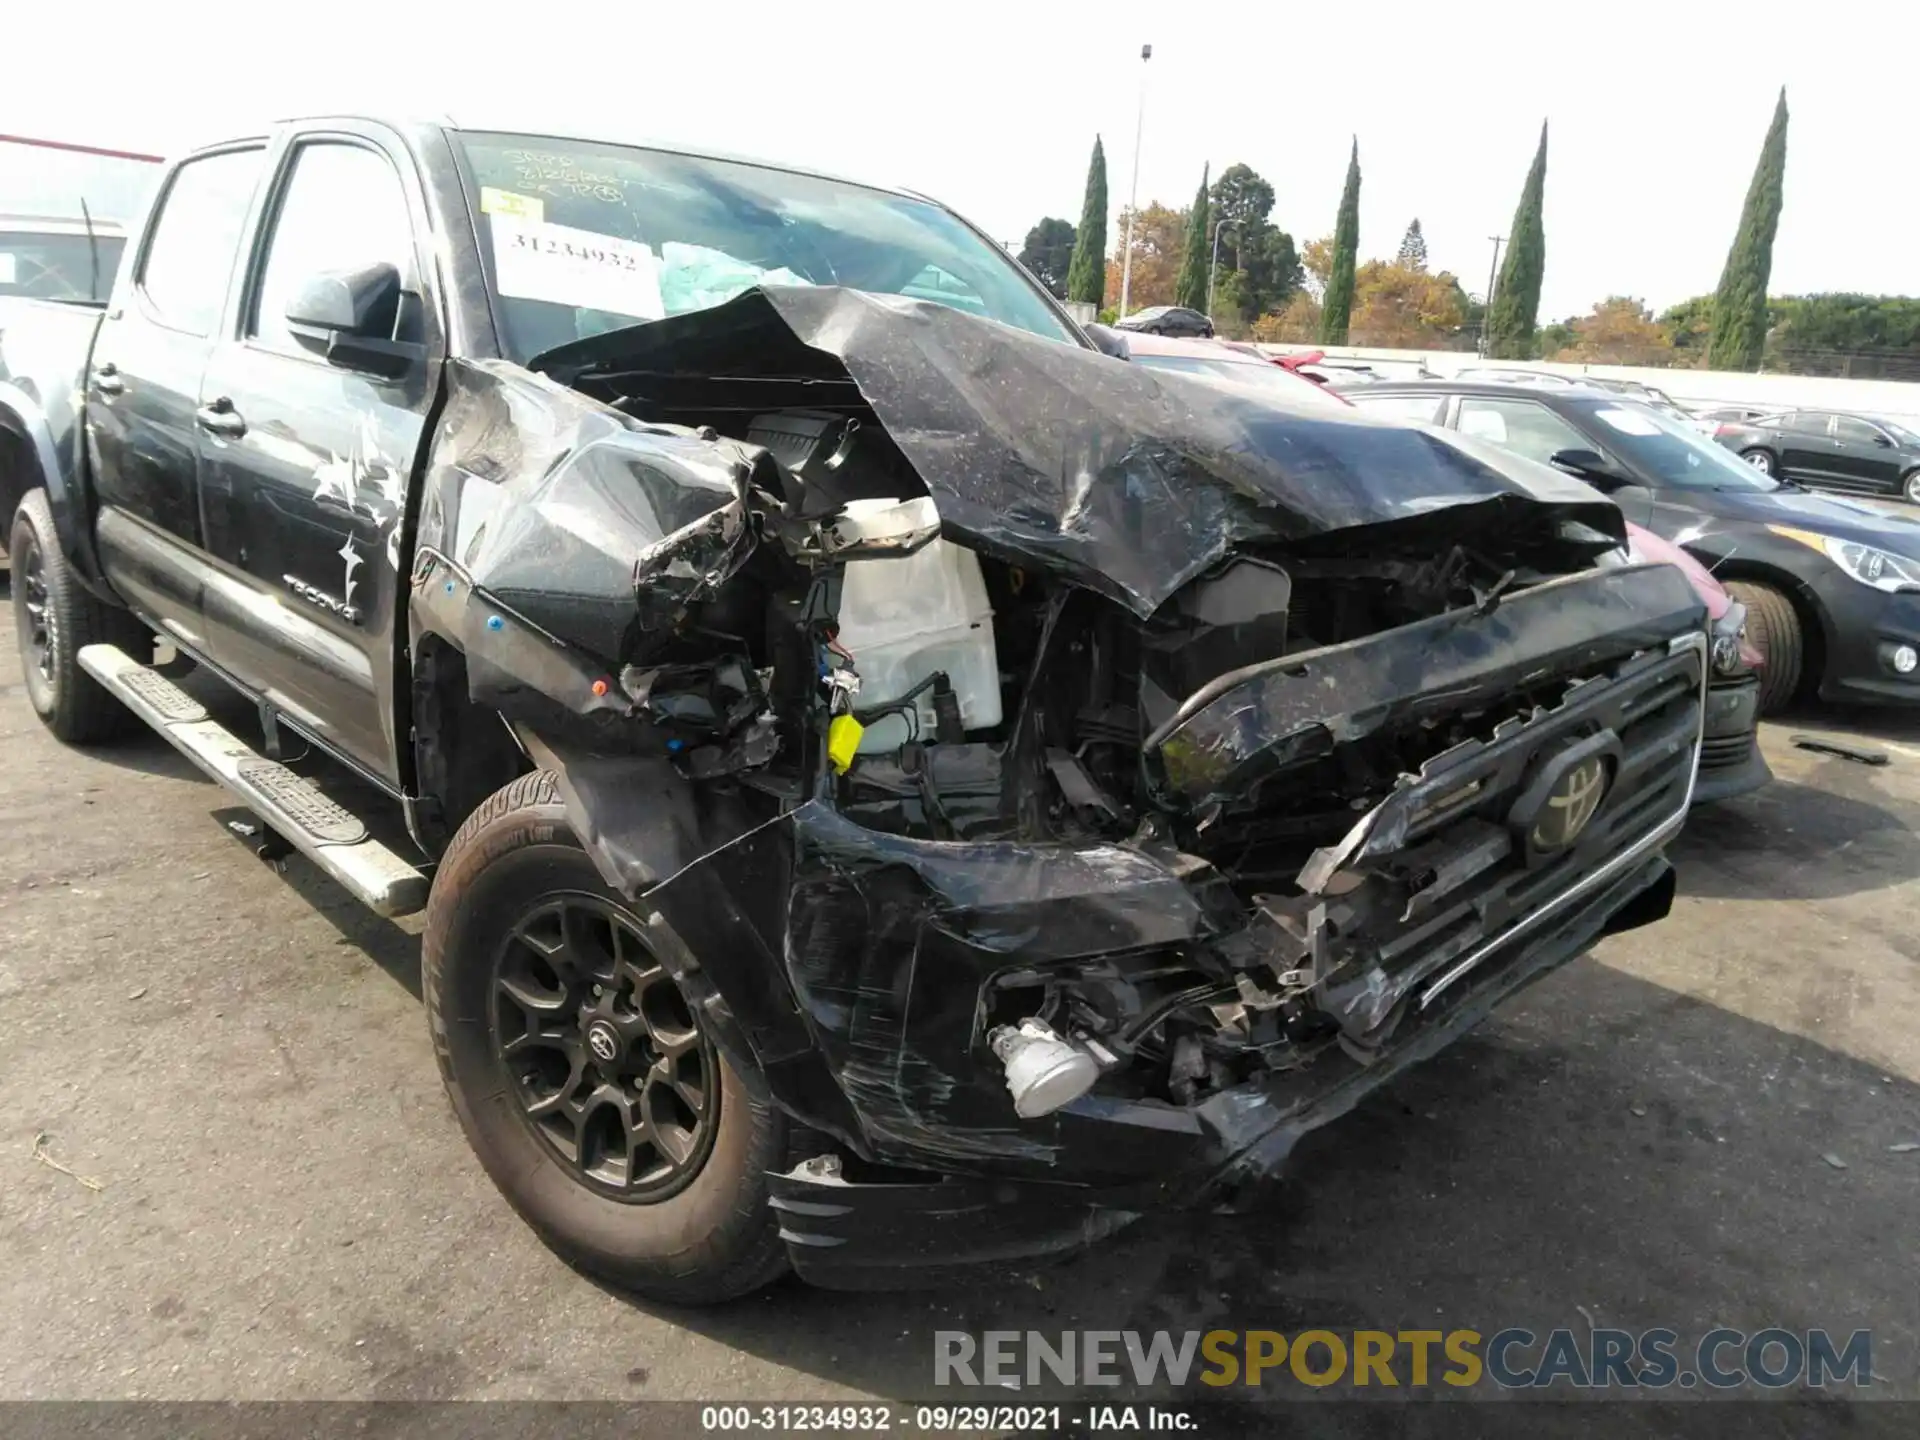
(1065, 784)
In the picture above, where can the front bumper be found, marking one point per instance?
(863, 968)
(1730, 759)
(1865, 626)
(844, 1234)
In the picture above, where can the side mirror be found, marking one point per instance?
(1883, 440)
(1590, 466)
(1108, 341)
(349, 317)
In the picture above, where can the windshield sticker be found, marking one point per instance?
(533, 260)
(504, 202)
(1629, 422)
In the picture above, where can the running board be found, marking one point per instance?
(291, 805)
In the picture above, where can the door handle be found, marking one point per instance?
(218, 417)
(106, 379)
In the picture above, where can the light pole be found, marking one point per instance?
(1492, 271)
(1213, 268)
(1133, 188)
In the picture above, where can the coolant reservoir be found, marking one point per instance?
(902, 620)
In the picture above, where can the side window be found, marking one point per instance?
(1521, 426)
(1854, 432)
(1805, 422)
(1425, 409)
(196, 234)
(342, 208)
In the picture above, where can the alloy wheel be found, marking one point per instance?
(608, 1063)
(1760, 460)
(37, 626)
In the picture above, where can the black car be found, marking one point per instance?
(1828, 450)
(1167, 320)
(1831, 586)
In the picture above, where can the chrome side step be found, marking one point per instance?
(292, 805)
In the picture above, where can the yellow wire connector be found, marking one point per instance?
(843, 739)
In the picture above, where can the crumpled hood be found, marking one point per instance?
(1130, 481)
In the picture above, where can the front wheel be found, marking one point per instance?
(1775, 627)
(1761, 460)
(1910, 486)
(581, 1074)
(53, 620)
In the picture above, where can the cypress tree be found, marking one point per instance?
(1087, 274)
(1190, 289)
(1337, 309)
(1516, 297)
(1740, 304)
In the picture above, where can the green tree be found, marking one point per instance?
(1048, 252)
(1413, 248)
(1337, 309)
(1740, 304)
(1241, 200)
(1689, 325)
(1190, 289)
(1272, 274)
(1087, 273)
(1516, 295)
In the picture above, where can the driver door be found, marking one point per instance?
(305, 463)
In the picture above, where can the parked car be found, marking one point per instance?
(1225, 360)
(1828, 450)
(879, 820)
(1166, 320)
(1730, 760)
(44, 257)
(1832, 588)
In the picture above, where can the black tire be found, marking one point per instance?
(54, 618)
(1910, 486)
(711, 1239)
(1775, 627)
(1762, 460)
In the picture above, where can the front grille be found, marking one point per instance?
(1443, 872)
(1721, 752)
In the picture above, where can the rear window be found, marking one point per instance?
(45, 266)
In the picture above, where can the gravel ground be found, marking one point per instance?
(285, 1206)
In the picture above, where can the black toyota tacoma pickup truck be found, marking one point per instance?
(901, 785)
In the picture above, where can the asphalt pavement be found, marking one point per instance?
(227, 1169)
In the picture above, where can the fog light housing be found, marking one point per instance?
(1904, 659)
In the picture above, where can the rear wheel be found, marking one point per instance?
(53, 619)
(1775, 627)
(581, 1073)
(1910, 486)
(1761, 460)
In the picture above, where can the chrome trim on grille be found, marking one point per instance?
(1695, 640)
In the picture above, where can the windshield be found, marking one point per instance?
(1901, 433)
(1675, 453)
(1286, 388)
(56, 266)
(581, 237)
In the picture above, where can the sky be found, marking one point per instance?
(1656, 111)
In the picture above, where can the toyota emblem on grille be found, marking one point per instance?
(1571, 804)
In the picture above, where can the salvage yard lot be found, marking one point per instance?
(286, 1207)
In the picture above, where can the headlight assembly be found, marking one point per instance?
(1864, 563)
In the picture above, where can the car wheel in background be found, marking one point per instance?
(583, 1075)
(1774, 625)
(1910, 486)
(1761, 460)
